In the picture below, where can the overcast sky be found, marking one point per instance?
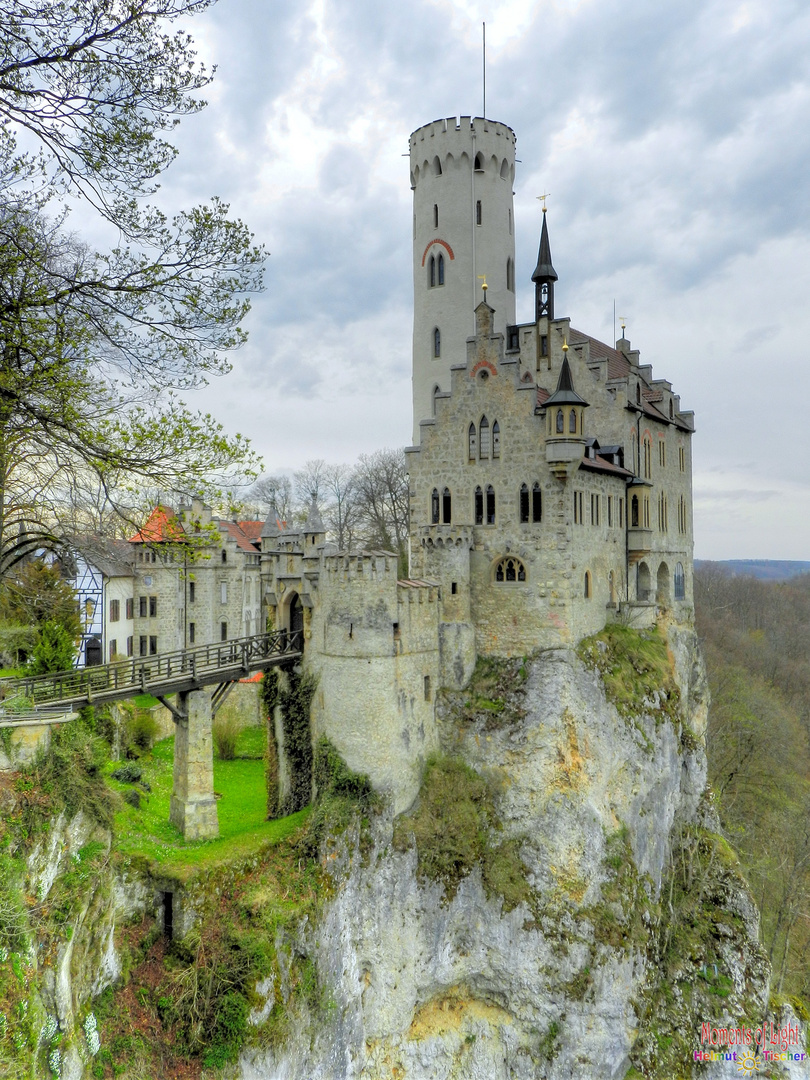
(674, 139)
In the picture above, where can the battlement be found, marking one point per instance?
(364, 566)
(437, 147)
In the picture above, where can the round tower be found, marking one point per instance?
(462, 172)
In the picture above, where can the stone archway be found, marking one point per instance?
(662, 587)
(296, 616)
(642, 581)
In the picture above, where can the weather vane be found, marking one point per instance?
(484, 286)
(623, 321)
(543, 197)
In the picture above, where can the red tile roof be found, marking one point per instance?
(251, 529)
(236, 532)
(600, 464)
(161, 525)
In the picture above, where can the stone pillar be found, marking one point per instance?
(193, 807)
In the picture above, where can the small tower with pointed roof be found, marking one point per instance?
(544, 277)
(565, 412)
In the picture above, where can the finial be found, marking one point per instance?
(543, 197)
(623, 321)
(483, 278)
(565, 346)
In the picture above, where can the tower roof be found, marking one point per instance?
(565, 394)
(544, 271)
(314, 522)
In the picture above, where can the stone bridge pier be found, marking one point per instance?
(193, 807)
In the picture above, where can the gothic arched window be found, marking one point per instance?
(446, 506)
(472, 440)
(483, 438)
(490, 505)
(432, 272)
(496, 440)
(680, 584)
(440, 269)
(560, 422)
(434, 507)
(634, 512)
(510, 569)
(572, 422)
(437, 342)
(436, 392)
(524, 504)
(479, 506)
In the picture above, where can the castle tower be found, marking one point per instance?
(462, 173)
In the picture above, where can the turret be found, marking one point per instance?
(462, 172)
(565, 409)
(544, 277)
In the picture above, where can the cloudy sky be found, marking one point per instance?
(674, 139)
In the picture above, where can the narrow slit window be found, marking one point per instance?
(479, 506)
(490, 505)
(524, 504)
(537, 504)
(446, 506)
(440, 268)
(472, 439)
(434, 507)
(435, 215)
(496, 440)
(432, 271)
(478, 212)
(437, 342)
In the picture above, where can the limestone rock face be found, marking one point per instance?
(419, 987)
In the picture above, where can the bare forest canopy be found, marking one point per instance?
(756, 639)
(763, 569)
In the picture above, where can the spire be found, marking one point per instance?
(314, 522)
(565, 394)
(544, 277)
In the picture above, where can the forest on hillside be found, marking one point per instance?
(756, 640)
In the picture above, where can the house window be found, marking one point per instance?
(490, 505)
(453, 587)
(440, 268)
(142, 644)
(472, 439)
(537, 504)
(437, 342)
(192, 630)
(662, 453)
(130, 646)
(434, 507)
(192, 592)
(152, 645)
(663, 513)
(113, 650)
(446, 506)
(130, 607)
(435, 215)
(680, 584)
(483, 438)
(621, 513)
(496, 440)
(223, 631)
(142, 606)
(223, 592)
(645, 506)
(479, 506)
(610, 511)
(524, 504)
(152, 607)
(478, 213)
(115, 610)
(510, 569)
(224, 556)
(594, 508)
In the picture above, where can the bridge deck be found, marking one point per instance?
(168, 673)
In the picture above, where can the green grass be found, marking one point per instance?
(146, 701)
(146, 832)
(11, 673)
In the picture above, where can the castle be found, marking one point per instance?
(550, 484)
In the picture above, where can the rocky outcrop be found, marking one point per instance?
(601, 801)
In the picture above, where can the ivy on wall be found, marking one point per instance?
(295, 703)
(269, 695)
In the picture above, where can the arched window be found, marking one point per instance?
(560, 422)
(435, 215)
(434, 507)
(504, 169)
(483, 438)
(572, 422)
(634, 512)
(441, 269)
(432, 272)
(588, 587)
(537, 503)
(496, 440)
(437, 342)
(680, 584)
(436, 392)
(472, 440)
(437, 166)
(490, 505)
(647, 457)
(479, 163)
(524, 504)
(510, 569)
(479, 506)
(446, 506)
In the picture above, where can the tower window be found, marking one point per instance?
(478, 214)
(490, 505)
(524, 504)
(510, 275)
(537, 504)
(483, 438)
(472, 439)
(588, 587)
(437, 342)
(432, 272)
(223, 631)
(446, 506)
(479, 506)
(436, 392)
(634, 512)
(479, 163)
(440, 269)
(647, 457)
(496, 440)
(434, 507)
(681, 459)
(560, 422)
(437, 166)
(572, 422)
(435, 215)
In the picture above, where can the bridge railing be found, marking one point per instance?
(144, 672)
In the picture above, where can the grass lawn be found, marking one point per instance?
(146, 832)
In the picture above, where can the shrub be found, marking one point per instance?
(127, 774)
(143, 729)
(226, 734)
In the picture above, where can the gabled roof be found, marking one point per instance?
(600, 464)
(618, 364)
(112, 557)
(162, 525)
(236, 532)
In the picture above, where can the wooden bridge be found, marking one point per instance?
(168, 673)
(185, 674)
